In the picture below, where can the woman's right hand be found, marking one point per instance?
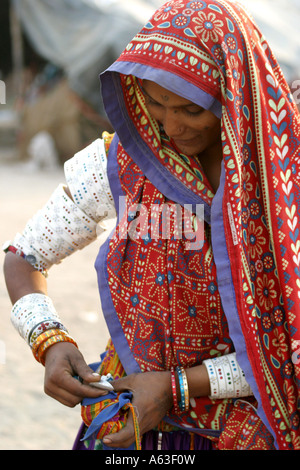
(63, 361)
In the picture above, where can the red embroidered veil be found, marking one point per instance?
(246, 278)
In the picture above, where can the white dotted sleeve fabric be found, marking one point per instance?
(65, 225)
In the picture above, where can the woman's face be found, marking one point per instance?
(192, 129)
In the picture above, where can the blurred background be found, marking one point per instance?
(51, 54)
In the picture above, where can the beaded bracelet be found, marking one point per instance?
(35, 318)
(174, 390)
(184, 389)
(44, 326)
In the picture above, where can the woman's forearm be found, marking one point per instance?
(21, 278)
(198, 381)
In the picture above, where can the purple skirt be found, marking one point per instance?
(153, 440)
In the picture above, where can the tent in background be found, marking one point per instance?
(83, 37)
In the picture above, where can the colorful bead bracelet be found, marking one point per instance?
(183, 404)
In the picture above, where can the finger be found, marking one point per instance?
(122, 384)
(123, 438)
(85, 372)
(70, 391)
(80, 389)
(64, 397)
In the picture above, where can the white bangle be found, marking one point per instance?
(64, 225)
(56, 231)
(227, 380)
(33, 314)
(86, 176)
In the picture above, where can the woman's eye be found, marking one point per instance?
(194, 112)
(151, 102)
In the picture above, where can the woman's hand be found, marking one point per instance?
(152, 398)
(62, 362)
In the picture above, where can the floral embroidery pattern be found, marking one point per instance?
(256, 240)
(169, 9)
(208, 26)
(266, 292)
(192, 312)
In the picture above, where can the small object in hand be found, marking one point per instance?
(104, 382)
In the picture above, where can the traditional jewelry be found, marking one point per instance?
(35, 318)
(174, 390)
(184, 389)
(65, 225)
(32, 310)
(48, 339)
(56, 231)
(42, 327)
(42, 338)
(86, 176)
(227, 380)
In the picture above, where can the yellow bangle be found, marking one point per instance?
(47, 339)
(42, 338)
(61, 338)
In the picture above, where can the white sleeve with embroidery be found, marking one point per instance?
(66, 224)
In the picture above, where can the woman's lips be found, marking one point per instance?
(185, 143)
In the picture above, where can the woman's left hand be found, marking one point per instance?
(152, 398)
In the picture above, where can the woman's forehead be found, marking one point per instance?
(154, 90)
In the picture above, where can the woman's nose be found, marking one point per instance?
(172, 124)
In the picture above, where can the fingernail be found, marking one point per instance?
(107, 440)
(95, 374)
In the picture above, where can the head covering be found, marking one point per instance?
(212, 53)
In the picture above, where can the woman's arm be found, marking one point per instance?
(63, 361)
(67, 222)
(22, 278)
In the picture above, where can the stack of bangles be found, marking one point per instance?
(37, 322)
(226, 378)
(184, 402)
(46, 340)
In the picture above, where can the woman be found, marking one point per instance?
(202, 313)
